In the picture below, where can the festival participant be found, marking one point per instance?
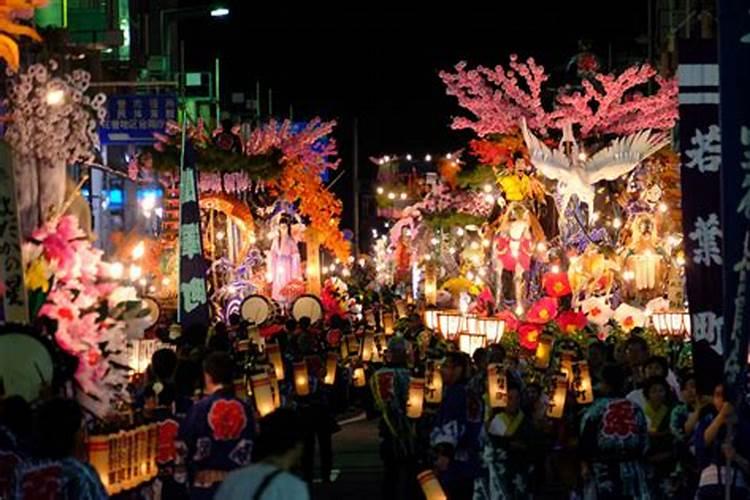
(506, 442)
(682, 422)
(216, 436)
(278, 449)
(319, 423)
(56, 471)
(458, 424)
(612, 442)
(722, 449)
(636, 354)
(390, 388)
(660, 450)
(655, 366)
(15, 436)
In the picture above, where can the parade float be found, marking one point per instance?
(558, 226)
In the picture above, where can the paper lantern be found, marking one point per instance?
(388, 322)
(370, 318)
(543, 352)
(430, 285)
(450, 324)
(358, 377)
(301, 379)
(415, 400)
(153, 446)
(556, 404)
(313, 265)
(379, 348)
(274, 387)
(114, 464)
(402, 308)
(352, 344)
(497, 386)
(368, 346)
(672, 324)
(273, 353)
(566, 365)
(98, 451)
(470, 324)
(492, 328)
(263, 394)
(582, 383)
(430, 318)
(433, 383)
(430, 486)
(468, 342)
(331, 365)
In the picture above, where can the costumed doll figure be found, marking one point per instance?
(644, 260)
(516, 237)
(284, 259)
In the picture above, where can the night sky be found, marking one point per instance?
(380, 64)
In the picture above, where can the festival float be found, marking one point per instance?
(559, 225)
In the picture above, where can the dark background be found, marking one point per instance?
(380, 64)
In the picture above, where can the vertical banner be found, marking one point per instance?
(193, 308)
(734, 69)
(15, 300)
(700, 166)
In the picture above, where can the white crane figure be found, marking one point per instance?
(576, 174)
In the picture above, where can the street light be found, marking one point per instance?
(219, 12)
(165, 39)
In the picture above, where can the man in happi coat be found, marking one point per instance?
(216, 436)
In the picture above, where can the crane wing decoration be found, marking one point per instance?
(577, 175)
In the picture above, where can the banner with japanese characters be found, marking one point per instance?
(700, 155)
(193, 308)
(12, 285)
(734, 79)
(133, 119)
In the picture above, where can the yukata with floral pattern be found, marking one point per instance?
(215, 437)
(613, 442)
(66, 479)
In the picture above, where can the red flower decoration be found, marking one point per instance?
(511, 322)
(556, 284)
(334, 337)
(571, 321)
(619, 419)
(543, 311)
(227, 419)
(528, 335)
(167, 435)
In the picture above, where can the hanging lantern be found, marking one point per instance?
(388, 322)
(368, 346)
(370, 318)
(450, 324)
(153, 446)
(379, 345)
(672, 324)
(358, 377)
(402, 308)
(469, 342)
(566, 365)
(430, 486)
(98, 452)
(492, 328)
(497, 385)
(543, 352)
(415, 401)
(331, 364)
(430, 285)
(273, 353)
(263, 394)
(240, 389)
(557, 402)
(352, 344)
(313, 262)
(431, 318)
(301, 379)
(274, 387)
(433, 383)
(582, 383)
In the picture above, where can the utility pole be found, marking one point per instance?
(270, 103)
(355, 181)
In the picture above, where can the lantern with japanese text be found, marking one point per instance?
(430, 486)
(331, 364)
(358, 377)
(430, 285)
(352, 344)
(388, 322)
(566, 365)
(556, 403)
(263, 394)
(379, 345)
(433, 382)
(415, 400)
(402, 308)
(368, 346)
(301, 379)
(274, 387)
(497, 386)
(582, 383)
(273, 353)
(543, 352)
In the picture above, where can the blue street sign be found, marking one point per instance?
(133, 119)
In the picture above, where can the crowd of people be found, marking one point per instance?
(652, 431)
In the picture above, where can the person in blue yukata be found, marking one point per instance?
(455, 436)
(216, 436)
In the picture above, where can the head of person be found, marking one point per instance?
(496, 354)
(16, 416)
(397, 352)
(532, 392)
(613, 381)
(163, 364)
(480, 359)
(656, 390)
(280, 439)
(688, 389)
(719, 397)
(455, 368)
(597, 354)
(290, 325)
(304, 322)
(226, 125)
(195, 335)
(217, 371)
(636, 351)
(514, 398)
(58, 428)
(656, 366)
